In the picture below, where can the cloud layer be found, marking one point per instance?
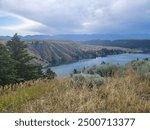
(80, 16)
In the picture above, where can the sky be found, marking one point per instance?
(51, 17)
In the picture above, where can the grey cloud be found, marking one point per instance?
(83, 16)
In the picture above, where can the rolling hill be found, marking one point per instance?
(143, 44)
(55, 52)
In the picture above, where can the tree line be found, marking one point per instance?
(15, 63)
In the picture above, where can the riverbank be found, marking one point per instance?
(67, 69)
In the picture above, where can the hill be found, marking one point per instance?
(55, 52)
(141, 44)
(122, 92)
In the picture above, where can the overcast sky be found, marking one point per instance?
(74, 17)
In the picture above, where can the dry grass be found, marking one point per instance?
(98, 47)
(128, 93)
(3, 41)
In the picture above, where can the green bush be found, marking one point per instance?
(89, 79)
(142, 67)
(104, 70)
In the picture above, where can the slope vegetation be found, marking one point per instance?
(141, 44)
(123, 92)
(118, 94)
(57, 52)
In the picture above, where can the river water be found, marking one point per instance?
(67, 69)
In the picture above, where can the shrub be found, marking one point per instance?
(50, 74)
(104, 70)
(142, 67)
(89, 79)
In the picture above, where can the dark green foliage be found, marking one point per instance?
(104, 70)
(31, 72)
(75, 71)
(19, 53)
(7, 67)
(50, 74)
(15, 63)
(89, 79)
(18, 50)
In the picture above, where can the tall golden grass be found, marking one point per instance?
(121, 93)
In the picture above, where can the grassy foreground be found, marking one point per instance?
(127, 93)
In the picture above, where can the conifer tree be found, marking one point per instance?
(7, 67)
(25, 70)
(50, 74)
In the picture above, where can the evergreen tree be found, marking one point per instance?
(50, 74)
(25, 70)
(7, 67)
(18, 50)
(75, 71)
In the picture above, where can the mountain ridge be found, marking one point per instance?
(81, 37)
(142, 44)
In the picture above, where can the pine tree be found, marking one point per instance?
(7, 67)
(50, 74)
(25, 70)
(75, 71)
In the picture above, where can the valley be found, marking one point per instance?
(101, 78)
(56, 52)
(74, 56)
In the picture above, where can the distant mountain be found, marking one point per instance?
(82, 37)
(5, 37)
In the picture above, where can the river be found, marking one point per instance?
(67, 69)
